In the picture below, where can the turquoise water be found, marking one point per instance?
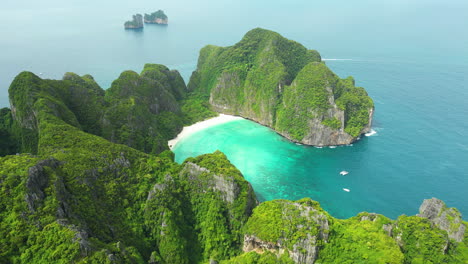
(411, 56)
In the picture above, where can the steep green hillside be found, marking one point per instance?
(74, 196)
(141, 111)
(85, 199)
(279, 83)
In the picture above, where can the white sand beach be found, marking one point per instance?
(189, 130)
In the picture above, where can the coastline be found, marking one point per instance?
(189, 130)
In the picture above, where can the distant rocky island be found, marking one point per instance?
(157, 17)
(135, 23)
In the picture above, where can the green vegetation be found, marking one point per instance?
(82, 198)
(420, 241)
(304, 231)
(141, 111)
(255, 258)
(9, 144)
(95, 201)
(361, 239)
(305, 99)
(332, 122)
(279, 83)
(355, 102)
(195, 109)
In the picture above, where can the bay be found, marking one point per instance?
(411, 56)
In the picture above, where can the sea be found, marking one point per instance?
(411, 56)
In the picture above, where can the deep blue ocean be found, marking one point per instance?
(411, 56)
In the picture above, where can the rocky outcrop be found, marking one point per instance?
(224, 184)
(135, 23)
(447, 219)
(253, 243)
(38, 179)
(81, 237)
(301, 229)
(280, 84)
(199, 199)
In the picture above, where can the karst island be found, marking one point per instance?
(157, 17)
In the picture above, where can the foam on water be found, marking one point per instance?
(371, 133)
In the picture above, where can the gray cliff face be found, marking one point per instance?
(28, 121)
(313, 103)
(81, 237)
(37, 181)
(306, 249)
(253, 243)
(322, 135)
(448, 219)
(224, 98)
(223, 95)
(226, 185)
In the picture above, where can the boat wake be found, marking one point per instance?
(337, 59)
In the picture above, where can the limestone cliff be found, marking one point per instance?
(279, 83)
(447, 219)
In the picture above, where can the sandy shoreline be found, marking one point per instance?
(189, 130)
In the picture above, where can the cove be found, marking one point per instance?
(383, 178)
(419, 151)
(280, 169)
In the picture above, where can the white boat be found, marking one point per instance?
(40, 73)
(343, 173)
(346, 190)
